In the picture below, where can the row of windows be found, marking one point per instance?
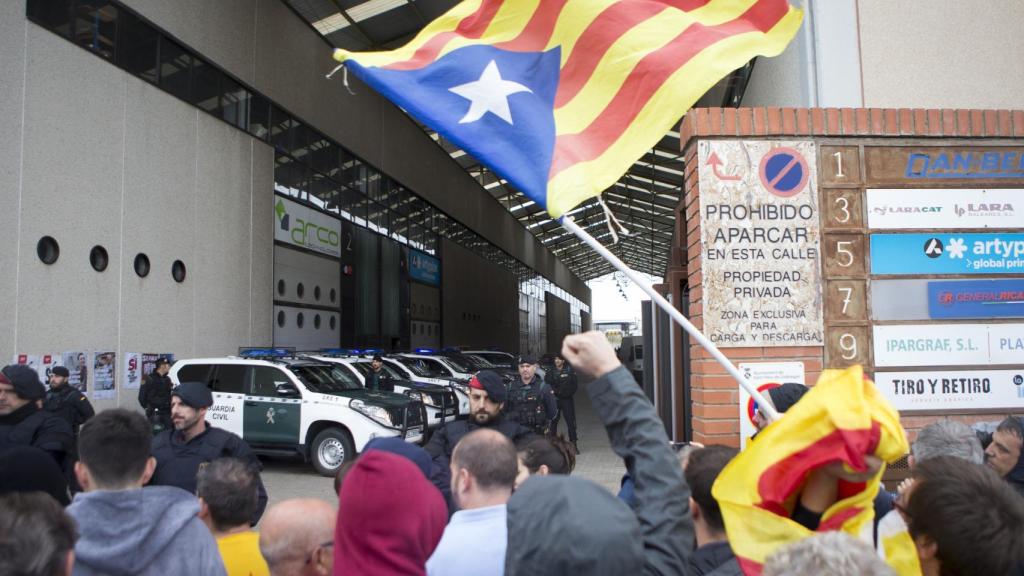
(300, 291)
(309, 166)
(48, 251)
(300, 320)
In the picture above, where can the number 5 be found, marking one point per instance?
(841, 250)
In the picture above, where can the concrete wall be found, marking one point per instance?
(265, 44)
(908, 54)
(94, 157)
(478, 301)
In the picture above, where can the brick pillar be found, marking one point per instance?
(714, 393)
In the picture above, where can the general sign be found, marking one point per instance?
(960, 390)
(424, 268)
(921, 166)
(765, 376)
(976, 299)
(948, 344)
(932, 208)
(947, 253)
(760, 243)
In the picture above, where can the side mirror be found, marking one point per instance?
(287, 390)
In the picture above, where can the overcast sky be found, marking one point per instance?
(607, 303)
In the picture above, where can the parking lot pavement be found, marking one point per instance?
(292, 478)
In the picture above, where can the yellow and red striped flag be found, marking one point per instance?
(560, 97)
(843, 419)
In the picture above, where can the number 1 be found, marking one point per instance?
(839, 165)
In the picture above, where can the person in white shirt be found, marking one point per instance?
(484, 467)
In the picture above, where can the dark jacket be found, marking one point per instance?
(178, 461)
(562, 382)
(442, 444)
(70, 404)
(155, 392)
(608, 537)
(533, 405)
(378, 381)
(30, 426)
(714, 559)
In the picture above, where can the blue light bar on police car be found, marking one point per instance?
(341, 351)
(280, 352)
(425, 350)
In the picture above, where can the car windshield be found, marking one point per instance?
(460, 364)
(325, 378)
(477, 362)
(366, 367)
(423, 368)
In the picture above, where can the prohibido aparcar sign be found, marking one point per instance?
(760, 243)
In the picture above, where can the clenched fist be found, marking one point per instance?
(590, 353)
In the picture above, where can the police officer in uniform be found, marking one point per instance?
(530, 400)
(562, 380)
(155, 396)
(23, 422)
(192, 443)
(377, 378)
(67, 401)
(487, 395)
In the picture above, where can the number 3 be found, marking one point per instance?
(844, 205)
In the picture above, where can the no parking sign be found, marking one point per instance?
(765, 376)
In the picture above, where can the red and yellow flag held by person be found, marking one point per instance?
(560, 97)
(843, 419)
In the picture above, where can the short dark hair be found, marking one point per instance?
(554, 452)
(702, 469)
(1012, 425)
(489, 456)
(115, 445)
(230, 489)
(973, 516)
(35, 534)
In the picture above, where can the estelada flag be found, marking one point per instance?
(843, 418)
(560, 97)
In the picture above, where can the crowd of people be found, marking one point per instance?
(492, 494)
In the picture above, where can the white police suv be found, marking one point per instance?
(438, 399)
(280, 403)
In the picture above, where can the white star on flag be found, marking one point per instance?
(488, 94)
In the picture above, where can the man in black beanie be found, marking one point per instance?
(23, 422)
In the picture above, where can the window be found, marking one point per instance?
(259, 116)
(195, 373)
(137, 47)
(96, 26)
(175, 64)
(229, 378)
(265, 380)
(234, 100)
(205, 91)
(325, 379)
(52, 14)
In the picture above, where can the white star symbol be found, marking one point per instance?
(488, 94)
(956, 248)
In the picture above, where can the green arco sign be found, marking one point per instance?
(296, 224)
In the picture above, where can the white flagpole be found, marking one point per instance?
(676, 315)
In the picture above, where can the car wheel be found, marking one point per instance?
(331, 448)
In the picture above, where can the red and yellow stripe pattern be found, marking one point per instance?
(842, 419)
(629, 68)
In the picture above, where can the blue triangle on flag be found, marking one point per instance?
(519, 152)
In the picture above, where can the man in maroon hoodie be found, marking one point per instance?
(390, 518)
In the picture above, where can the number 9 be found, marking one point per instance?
(848, 344)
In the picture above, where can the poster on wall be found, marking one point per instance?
(104, 373)
(30, 360)
(77, 364)
(132, 370)
(760, 243)
(765, 376)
